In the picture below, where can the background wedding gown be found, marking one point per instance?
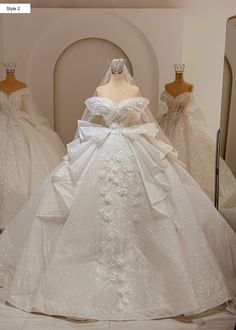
(29, 150)
(119, 230)
(182, 121)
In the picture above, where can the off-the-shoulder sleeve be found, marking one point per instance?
(162, 110)
(142, 103)
(30, 107)
(98, 106)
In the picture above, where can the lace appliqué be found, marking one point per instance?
(120, 246)
(119, 114)
(9, 104)
(173, 106)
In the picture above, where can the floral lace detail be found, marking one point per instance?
(173, 106)
(119, 114)
(12, 102)
(182, 99)
(9, 107)
(120, 246)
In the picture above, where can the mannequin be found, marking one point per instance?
(178, 86)
(118, 88)
(29, 149)
(11, 84)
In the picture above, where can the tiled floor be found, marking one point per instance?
(14, 319)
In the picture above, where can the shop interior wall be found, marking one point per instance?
(203, 46)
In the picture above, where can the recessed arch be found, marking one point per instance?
(108, 26)
(76, 75)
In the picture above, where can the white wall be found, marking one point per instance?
(204, 47)
(36, 46)
(77, 73)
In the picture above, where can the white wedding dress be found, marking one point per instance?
(119, 230)
(29, 151)
(182, 121)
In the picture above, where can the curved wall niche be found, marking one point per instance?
(225, 106)
(78, 71)
(42, 59)
(64, 33)
(229, 94)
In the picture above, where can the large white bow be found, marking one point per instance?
(88, 130)
(150, 154)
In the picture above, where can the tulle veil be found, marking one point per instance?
(147, 116)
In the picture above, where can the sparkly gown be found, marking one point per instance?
(29, 150)
(119, 230)
(182, 122)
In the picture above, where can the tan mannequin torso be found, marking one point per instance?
(178, 86)
(118, 89)
(11, 84)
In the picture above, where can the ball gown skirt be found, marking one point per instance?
(119, 230)
(183, 123)
(29, 151)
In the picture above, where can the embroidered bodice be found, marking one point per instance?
(175, 105)
(121, 114)
(19, 107)
(180, 101)
(12, 102)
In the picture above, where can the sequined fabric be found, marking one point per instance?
(29, 150)
(119, 231)
(182, 122)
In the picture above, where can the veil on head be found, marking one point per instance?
(117, 66)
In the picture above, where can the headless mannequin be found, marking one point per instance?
(118, 89)
(178, 86)
(10, 83)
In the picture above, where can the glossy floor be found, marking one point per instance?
(14, 319)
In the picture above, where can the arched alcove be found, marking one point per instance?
(71, 30)
(78, 72)
(225, 105)
(229, 93)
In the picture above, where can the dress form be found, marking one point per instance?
(10, 83)
(118, 88)
(178, 86)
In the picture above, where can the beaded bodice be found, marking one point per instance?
(12, 102)
(176, 104)
(121, 114)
